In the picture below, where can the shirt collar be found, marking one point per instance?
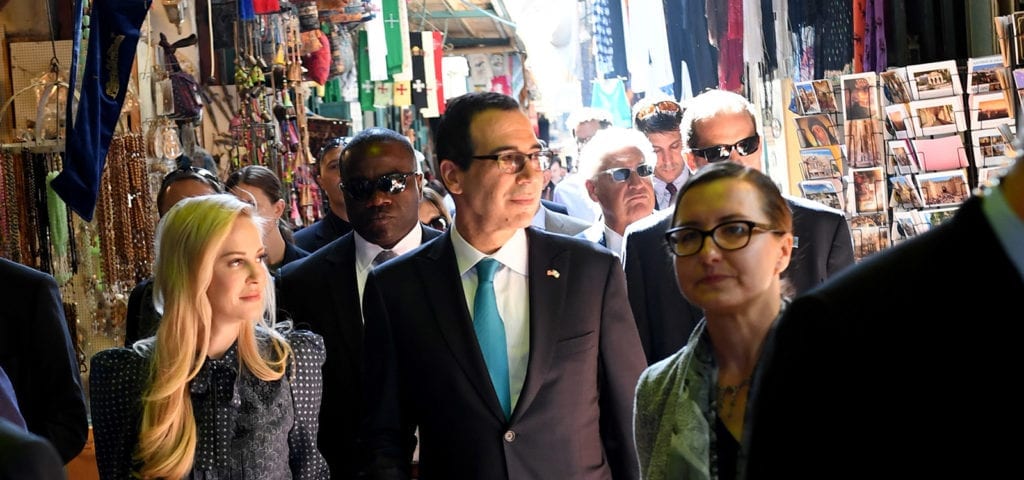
(366, 251)
(539, 218)
(513, 254)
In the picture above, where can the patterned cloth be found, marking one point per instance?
(247, 428)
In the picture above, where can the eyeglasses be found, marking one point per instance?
(362, 189)
(687, 241)
(719, 153)
(665, 106)
(514, 162)
(622, 174)
(438, 223)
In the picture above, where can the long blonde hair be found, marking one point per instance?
(188, 239)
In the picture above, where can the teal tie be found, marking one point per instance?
(490, 331)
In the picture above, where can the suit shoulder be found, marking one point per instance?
(574, 243)
(314, 260)
(654, 224)
(811, 206)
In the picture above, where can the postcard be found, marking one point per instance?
(934, 217)
(942, 153)
(816, 131)
(933, 80)
(944, 188)
(870, 234)
(826, 192)
(988, 177)
(904, 159)
(826, 96)
(807, 98)
(864, 143)
(868, 189)
(986, 74)
(990, 148)
(905, 195)
(938, 116)
(822, 162)
(860, 96)
(908, 223)
(898, 121)
(894, 83)
(989, 110)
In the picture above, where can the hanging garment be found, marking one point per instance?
(609, 39)
(419, 81)
(650, 64)
(690, 47)
(730, 44)
(113, 40)
(433, 53)
(610, 95)
(875, 57)
(834, 36)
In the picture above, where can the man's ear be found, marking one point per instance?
(690, 159)
(591, 189)
(451, 174)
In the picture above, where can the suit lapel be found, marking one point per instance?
(448, 305)
(549, 277)
(342, 281)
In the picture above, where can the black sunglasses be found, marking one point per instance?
(194, 173)
(362, 189)
(622, 174)
(719, 153)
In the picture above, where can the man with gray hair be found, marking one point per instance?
(617, 165)
(571, 191)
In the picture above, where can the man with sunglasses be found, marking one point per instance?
(381, 181)
(334, 223)
(618, 165)
(571, 191)
(658, 117)
(721, 126)
(512, 349)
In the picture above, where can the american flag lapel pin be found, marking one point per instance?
(553, 273)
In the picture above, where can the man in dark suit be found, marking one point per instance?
(37, 355)
(896, 366)
(538, 381)
(334, 223)
(322, 292)
(721, 126)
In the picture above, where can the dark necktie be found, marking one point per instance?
(383, 256)
(490, 331)
(671, 189)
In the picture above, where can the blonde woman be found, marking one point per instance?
(218, 392)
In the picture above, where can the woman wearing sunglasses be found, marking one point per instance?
(732, 239)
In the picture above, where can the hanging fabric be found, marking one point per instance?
(610, 95)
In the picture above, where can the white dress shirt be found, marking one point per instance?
(661, 196)
(366, 252)
(512, 293)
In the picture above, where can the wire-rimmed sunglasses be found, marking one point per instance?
(718, 153)
(622, 174)
(514, 162)
(728, 236)
(361, 189)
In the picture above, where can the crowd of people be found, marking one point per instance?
(663, 311)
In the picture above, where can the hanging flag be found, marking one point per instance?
(431, 70)
(392, 18)
(439, 70)
(365, 84)
(403, 97)
(377, 46)
(419, 85)
(405, 74)
(382, 96)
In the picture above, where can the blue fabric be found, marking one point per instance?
(490, 331)
(113, 39)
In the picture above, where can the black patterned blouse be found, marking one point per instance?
(247, 428)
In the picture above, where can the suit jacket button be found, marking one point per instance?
(510, 436)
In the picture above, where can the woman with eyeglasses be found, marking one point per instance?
(732, 239)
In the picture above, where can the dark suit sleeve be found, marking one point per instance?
(637, 288)
(388, 431)
(840, 255)
(24, 455)
(622, 361)
(54, 406)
